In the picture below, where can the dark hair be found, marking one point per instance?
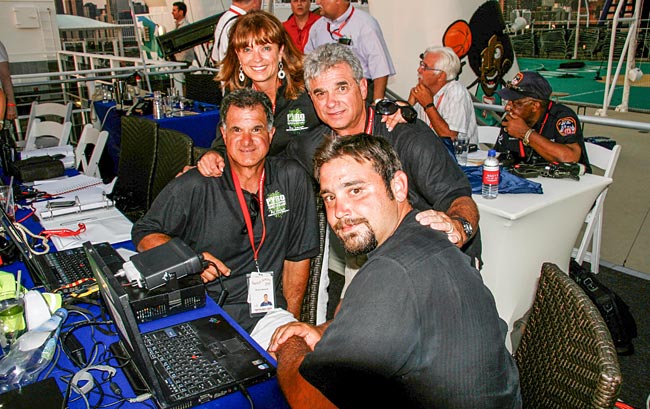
(360, 147)
(260, 27)
(181, 7)
(247, 98)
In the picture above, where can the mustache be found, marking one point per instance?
(348, 221)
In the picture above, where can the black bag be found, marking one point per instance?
(37, 168)
(615, 312)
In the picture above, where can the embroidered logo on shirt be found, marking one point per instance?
(277, 204)
(566, 126)
(296, 120)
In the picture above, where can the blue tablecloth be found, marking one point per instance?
(201, 128)
(508, 183)
(266, 394)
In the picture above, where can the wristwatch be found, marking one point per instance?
(467, 226)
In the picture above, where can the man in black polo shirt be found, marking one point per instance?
(535, 129)
(437, 186)
(259, 218)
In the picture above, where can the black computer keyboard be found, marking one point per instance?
(183, 362)
(69, 266)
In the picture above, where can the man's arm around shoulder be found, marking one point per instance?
(299, 392)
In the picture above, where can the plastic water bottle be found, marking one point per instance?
(490, 176)
(158, 109)
(31, 353)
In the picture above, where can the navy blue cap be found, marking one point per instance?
(526, 84)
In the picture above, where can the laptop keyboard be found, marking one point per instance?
(69, 266)
(183, 362)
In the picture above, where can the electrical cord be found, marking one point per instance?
(247, 395)
(24, 232)
(224, 291)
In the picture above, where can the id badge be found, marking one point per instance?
(261, 294)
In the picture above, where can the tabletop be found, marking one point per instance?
(97, 338)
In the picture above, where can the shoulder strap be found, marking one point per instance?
(223, 28)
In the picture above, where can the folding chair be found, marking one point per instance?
(605, 159)
(89, 161)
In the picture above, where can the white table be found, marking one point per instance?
(521, 231)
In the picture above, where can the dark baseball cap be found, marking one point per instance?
(526, 84)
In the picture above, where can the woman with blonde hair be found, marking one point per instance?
(261, 55)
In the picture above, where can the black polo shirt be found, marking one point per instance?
(205, 213)
(435, 179)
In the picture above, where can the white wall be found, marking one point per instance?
(28, 30)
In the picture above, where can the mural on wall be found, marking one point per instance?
(487, 46)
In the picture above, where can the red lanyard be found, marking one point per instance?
(234, 11)
(371, 120)
(337, 32)
(522, 152)
(247, 215)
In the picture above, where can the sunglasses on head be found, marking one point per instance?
(388, 107)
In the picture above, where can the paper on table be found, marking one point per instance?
(72, 184)
(88, 198)
(101, 225)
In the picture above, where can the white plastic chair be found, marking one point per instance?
(605, 159)
(42, 134)
(46, 112)
(90, 136)
(488, 134)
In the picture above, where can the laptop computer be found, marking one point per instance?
(187, 364)
(65, 271)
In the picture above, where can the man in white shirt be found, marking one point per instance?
(179, 10)
(221, 31)
(444, 103)
(343, 24)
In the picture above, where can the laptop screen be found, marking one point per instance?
(26, 255)
(117, 301)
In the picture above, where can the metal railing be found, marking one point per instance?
(80, 74)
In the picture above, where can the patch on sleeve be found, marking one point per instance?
(566, 126)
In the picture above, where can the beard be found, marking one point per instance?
(358, 242)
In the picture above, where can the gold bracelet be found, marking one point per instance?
(527, 136)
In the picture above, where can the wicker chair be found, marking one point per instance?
(309, 308)
(137, 159)
(566, 357)
(174, 151)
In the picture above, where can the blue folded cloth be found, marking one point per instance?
(508, 183)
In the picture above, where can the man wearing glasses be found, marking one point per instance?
(535, 129)
(257, 224)
(444, 101)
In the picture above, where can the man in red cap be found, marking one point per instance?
(536, 129)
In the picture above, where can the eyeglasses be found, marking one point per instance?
(388, 107)
(425, 67)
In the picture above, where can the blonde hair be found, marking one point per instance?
(260, 27)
